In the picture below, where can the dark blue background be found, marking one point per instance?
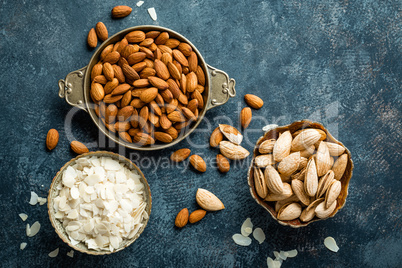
(337, 62)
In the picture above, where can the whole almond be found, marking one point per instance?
(147, 41)
(197, 215)
(106, 51)
(121, 89)
(181, 218)
(112, 99)
(111, 113)
(101, 79)
(309, 212)
(322, 212)
(197, 95)
(245, 117)
(135, 36)
(92, 39)
(286, 193)
(149, 94)
(125, 101)
(166, 58)
(111, 85)
(125, 113)
(335, 149)
(198, 163)
(267, 146)
(177, 55)
(130, 73)
(231, 133)
(216, 137)
(112, 57)
(340, 166)
(158, 83)
(323, 159)
(149, 54)
(253, 101)
(200, 76)
(172, 132)
(143, 139)
(305, 139)
(176, 116)
(208, 200)
(101, 31)
(233, 151)
(125, 137)
(165, 122)
(273, 180)
(222, 163)
(185, 49)
(108, 71)
(143, 116)
(180, 155)
(259, 182)
(172, 43)
(118, 73)
(311, 178)
(163, 137)
(264, 160)
(121, 11)
(174, 72)
(188, 114)
(332, 193)
(97, 92)
(191, 82)
(52, 139)
(298, 189)
(289, 164)
(282, 146)
(279, 204)
(162, 38)
(78, 147)
(289, 212)
(136, 58)
(161, 70)
(96, 70)
(193, 62)
(122, 126)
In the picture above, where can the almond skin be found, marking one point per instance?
(101, 31)
(253, 101)
(180, 155)
(245, 117)
(52, 139)
(198, 163)
(121, 11)
(92, 39)
(197, 215)
(78, 147)
(222, 163)
(181, 218)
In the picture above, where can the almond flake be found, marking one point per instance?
(292, 253)
(42, 200)
(54, 253)
(259, 235)
(34, 229)
(152, 13)
(23, 245)
(330, 243)
(241, 240)
(28, 230)
(34, 199)
(70, 253)
(269, 127)
(23, 216)
(139, 3)
(247, 227)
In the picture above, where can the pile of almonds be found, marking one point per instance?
(300, 172)
(148, 87)
(207, 201)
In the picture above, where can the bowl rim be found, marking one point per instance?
(89, 103)
(57, 177)
(303, 125)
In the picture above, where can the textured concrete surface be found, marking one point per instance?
(337, 62)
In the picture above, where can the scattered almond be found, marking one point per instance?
(92, 39)
(180, 155)
(181, 218)
(52, 139)
(222, 163)
(253, 101)
(101, 31)
(121, 11)
(78, 147)
(197, 215)
(216, 137)
(245, 117)
(198, 163)
(208, 200)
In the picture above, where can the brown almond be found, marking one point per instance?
(122, 44)
(125, 136)
(166, 58)
(135, 36)
(138, 67)
(111, 113)
(197, 95)
(130, 73)
(185, 49)
(155, 107)
(222, 163)
(172, 43)
(136, 58)
(158, 83)
(216, 137)
(245, 117)
(147, 72)
(167, 95)
(122, 126)
(112, 99)
(143, 116)
(97, 91)
(197, 215)
(193, 62)
(101, 79)
(253, 101)
(137, 103)
(176, 116)
(174, 72)
(141, 83)
(198, 163)
(165, 122)
(118, 73)
(78, 147)
(111, 85)
(128, 50)
(92, 39)
(172, 132)
(162, 38)
(121, 89)
(147, 41)
(106, 51)
(181, 218)
(193, 105)
(188, 114)
(52, 139)
(108, 71)
(180, 155)
(125, 101)
(101, 31)
(96, 70)
(191, 82)
(112, 57)
(152, 34)
(121, 11)
(200, 76)
(161, 70)
(149, 94)
(125, 113)
(177, 55)
(163, 137)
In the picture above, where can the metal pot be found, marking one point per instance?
(76, 86)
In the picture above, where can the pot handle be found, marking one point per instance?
(222, 87)
(72, 88)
